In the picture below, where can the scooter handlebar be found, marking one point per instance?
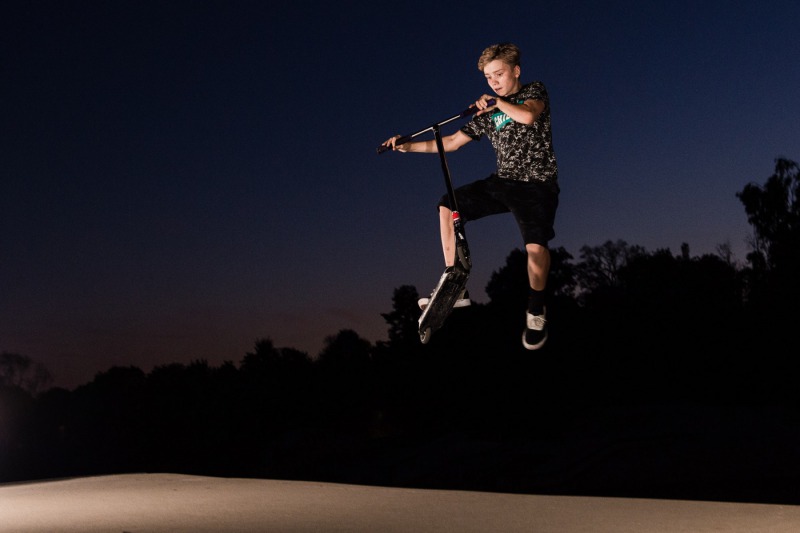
(405, 138)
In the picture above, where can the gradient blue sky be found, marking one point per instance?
(183, 178)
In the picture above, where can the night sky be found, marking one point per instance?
(180, 179)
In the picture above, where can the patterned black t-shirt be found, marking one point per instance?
(524, 152)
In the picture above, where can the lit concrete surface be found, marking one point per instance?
(136, 503)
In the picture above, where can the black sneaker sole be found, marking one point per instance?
(533, 346)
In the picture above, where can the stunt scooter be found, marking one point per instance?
(454, 279)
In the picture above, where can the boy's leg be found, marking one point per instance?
(448, 235)
(535, 333)
(475, 201)
(534, 206)
(538, 265)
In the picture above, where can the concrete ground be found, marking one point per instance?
(163, 502)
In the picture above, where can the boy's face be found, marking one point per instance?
(502, 77)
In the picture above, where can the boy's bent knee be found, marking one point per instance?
(536, 249)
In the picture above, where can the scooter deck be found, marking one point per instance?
(442, 300)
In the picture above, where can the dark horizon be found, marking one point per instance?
(675, 378)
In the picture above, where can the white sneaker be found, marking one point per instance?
(463, 301)
(535, 333)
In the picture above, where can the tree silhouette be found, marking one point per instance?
(773, 284)
(562, 280)
(269, 360)
(509, 284)
(21, 371)
(346, 349)
(403, 319)
(16, 410)
(774, 212)
(345, 385)
(600, 265)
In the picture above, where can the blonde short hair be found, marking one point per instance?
(505, 52)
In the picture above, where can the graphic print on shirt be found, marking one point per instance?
(500, 119)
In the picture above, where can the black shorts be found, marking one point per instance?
(533, 204)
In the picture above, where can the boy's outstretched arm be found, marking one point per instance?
(451, 143)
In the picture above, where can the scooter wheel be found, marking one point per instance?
(425, 335)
